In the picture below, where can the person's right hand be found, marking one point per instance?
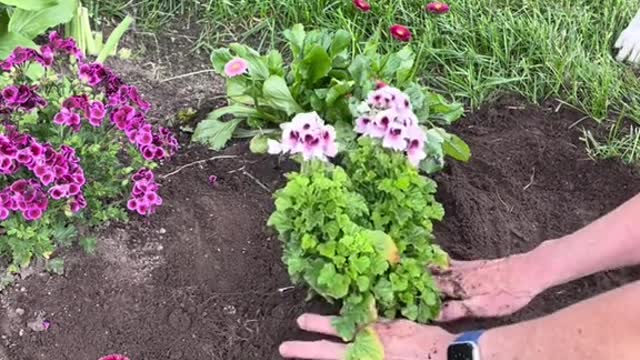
(487, 288)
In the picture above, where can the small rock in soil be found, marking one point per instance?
(19, 311)
(229, 309)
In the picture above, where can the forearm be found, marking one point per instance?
(605, 327)
(610, 242)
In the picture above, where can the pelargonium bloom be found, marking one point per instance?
(114, 357)
(362, 5)
(236, 67)
(306, 134)
(387, 115)
(400, 32)
(144, 197)
(437, 7)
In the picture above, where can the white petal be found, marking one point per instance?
(274, 147)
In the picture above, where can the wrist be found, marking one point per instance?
(545, 266)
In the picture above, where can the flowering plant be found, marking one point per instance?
(360, 232)
(324, 76)
(65, 140)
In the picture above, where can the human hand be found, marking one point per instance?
(401, 340)
(629, 42)
(487, 288)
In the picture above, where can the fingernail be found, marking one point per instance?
(301, 320)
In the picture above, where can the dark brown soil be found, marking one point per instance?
(202, 279)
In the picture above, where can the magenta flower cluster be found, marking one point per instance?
(75, 108)
(59, 174)
(45, 56)
(58, 170)
(144, 195)
(21, 97)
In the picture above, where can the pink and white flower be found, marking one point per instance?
(415, 148)
(394, 138)
(306, 134)
(236, 67)
(388, 115)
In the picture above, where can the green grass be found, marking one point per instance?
(536, 48)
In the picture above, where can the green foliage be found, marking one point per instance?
(29, 19)
(325, 75)
(362, 234)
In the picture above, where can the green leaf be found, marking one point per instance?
(35, 71)
(31, 23)
(442, 111)
(220, 58)
(363, 283)
(367, 346)
(360, 263)
(114, 39)
(295, 36)
(456, 148)
(398, 282)
(215, 133)
(4, 21)
(258, 144)
(276, 94)
(341, 41)
(30, 4)
(88, 244)
(385, 245)
(360, 69)
(410, 311)
(237, 90)
(315, 65)
(9, 41)
(383, 291)
(275, 62)
(338, 89)
(308, 242)
(406, 58)
(55, 266)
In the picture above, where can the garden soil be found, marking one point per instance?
(203, 278)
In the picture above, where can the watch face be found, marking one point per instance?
(462, 351)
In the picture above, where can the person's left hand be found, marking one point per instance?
(401, 339)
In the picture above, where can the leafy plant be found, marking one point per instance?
(360, 232)
(62, 163)
(22, 21)
(324, 75)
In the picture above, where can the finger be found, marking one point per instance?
(620, 40)
(635, 54)
(457, 265)
(317, 350)
(456, 310)
(317, 323)
(624, 52)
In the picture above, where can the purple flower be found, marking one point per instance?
(10, 95)
(144, 197)
(213, 180)
(96, 113)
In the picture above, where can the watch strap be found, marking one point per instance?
(470, 336)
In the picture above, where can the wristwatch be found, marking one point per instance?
(465, 347)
